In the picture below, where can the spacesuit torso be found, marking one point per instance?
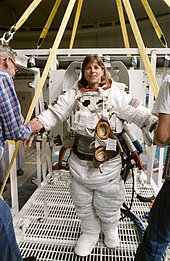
(106, 102)
(90, 108)
(84, 110)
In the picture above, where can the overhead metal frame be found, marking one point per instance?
(129, 56)
(99, 51)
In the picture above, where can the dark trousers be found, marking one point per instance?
(157, 234)
(9, 250)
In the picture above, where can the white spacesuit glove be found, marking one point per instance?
(147, 129)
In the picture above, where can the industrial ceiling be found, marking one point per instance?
(97, 19)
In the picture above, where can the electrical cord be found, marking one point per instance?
(128, 209)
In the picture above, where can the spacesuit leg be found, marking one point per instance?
(107, 202)
(90, 225)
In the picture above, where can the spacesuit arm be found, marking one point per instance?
(58, 111)
(130, 109)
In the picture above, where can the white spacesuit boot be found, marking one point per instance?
(89, 237)
(111, 237)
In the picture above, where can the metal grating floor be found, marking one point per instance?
(48, 227)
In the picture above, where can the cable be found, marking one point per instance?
(132, 198)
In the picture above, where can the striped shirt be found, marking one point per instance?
(11, 120)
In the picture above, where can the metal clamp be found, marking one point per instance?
(7, 36)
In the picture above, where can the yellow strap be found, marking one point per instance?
(122, 23)
(141, 47)
(167, 2)
(154, 22)
(76, 20)
(10, 165)
(51, 58)
(42, 80)
(26, 14)
(48, 23)
(11, 142)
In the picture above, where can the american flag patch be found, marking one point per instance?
(134, 102)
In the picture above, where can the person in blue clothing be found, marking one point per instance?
(11, 128)
(157, 234)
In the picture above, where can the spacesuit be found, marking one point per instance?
(97, 188)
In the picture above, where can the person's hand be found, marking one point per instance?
(28, 143)
(36, 126)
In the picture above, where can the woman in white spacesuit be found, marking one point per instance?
(94, 107)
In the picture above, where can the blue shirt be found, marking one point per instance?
(12, 125)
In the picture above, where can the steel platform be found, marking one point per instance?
(47, 226)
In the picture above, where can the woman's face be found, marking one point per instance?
(93, 73)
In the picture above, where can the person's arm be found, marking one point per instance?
(162, 108)
(36, 126)
(162, 132)
(10, 112)
(58, 111)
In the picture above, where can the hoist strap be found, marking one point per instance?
(43, 78)
(76, 20)
(10, 165)
(167, 2)
(154, 22)
(26, 14)
(141, 47)
(48, 23)
(122, 23)
(50, 58)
